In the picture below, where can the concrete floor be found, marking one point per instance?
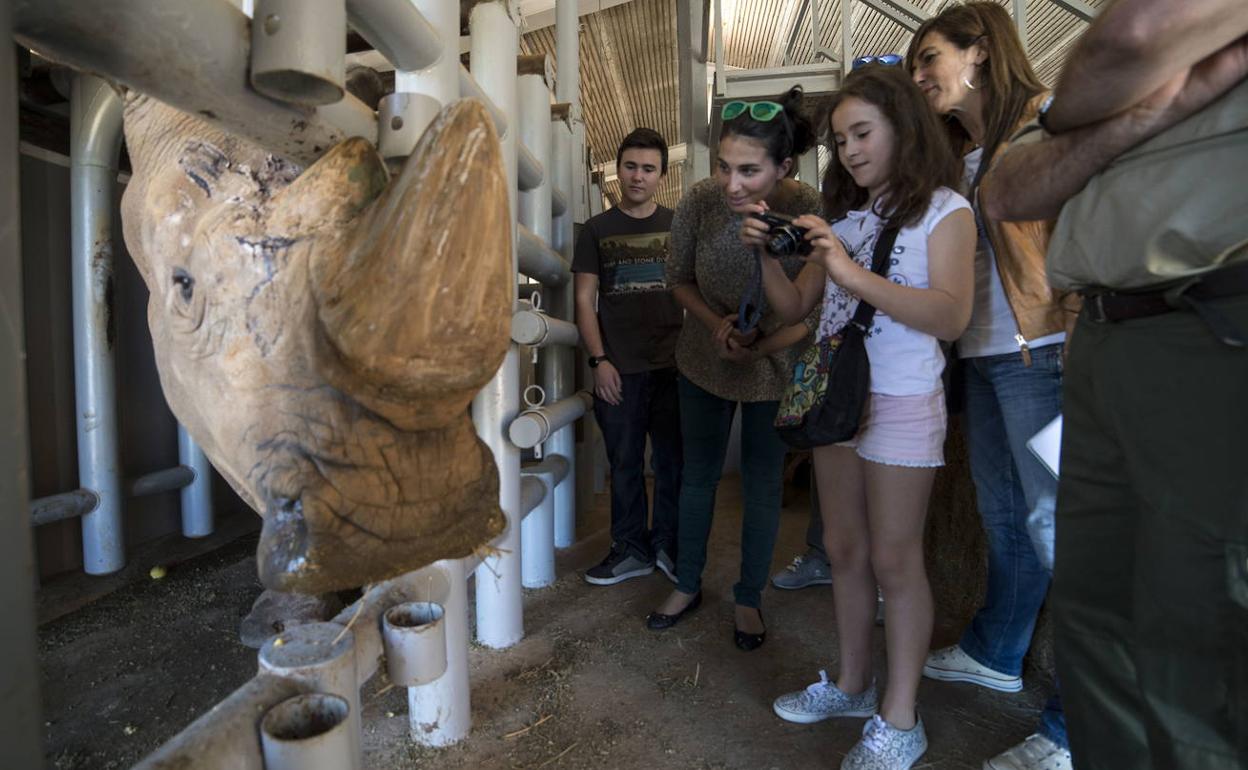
(589, 686)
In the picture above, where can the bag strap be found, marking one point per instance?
(879, 265)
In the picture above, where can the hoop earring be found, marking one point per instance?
(967, 82)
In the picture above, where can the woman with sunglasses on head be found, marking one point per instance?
(732, 350)
(971, 66)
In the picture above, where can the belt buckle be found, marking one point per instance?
(1096, 309)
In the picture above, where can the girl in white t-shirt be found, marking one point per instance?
(893, 166)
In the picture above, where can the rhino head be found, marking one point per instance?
(321, 333)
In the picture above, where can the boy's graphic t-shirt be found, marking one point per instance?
(904, 361)
(637, 314)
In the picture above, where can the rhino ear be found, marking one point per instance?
(414, 306)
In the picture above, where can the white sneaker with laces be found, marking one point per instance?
(1035, 753)
(822, 700)
(951, 664)
(884, 747)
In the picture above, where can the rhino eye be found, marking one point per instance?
(185, 283)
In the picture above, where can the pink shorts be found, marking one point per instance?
(902, 430)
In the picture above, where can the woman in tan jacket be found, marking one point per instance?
(972, 68)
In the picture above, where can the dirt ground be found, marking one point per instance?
(589, 686)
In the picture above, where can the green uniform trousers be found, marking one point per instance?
(1150, 592)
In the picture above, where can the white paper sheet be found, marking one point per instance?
(1047, 445)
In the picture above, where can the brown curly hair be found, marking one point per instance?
(922, 159)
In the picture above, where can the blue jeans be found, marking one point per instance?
(706, 421)
(650, 406)
(1006, 404)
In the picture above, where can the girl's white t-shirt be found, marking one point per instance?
(904, 361)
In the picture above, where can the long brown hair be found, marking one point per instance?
(1007, 78)
(922, 158)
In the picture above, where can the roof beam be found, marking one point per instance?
(1077, 7)
(904, 13)
(539, 14)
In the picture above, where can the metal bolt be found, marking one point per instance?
(396, 123)
(272, 23)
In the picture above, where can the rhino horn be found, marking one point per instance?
(414, 308)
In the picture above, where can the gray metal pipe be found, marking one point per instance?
(95, 144)
(399, 32)
(161, 481)
(21, 726)
(197, 519)
(558, 201)
(192, 56)
(538, 330)
(470, 89)
(529, 168)
(538, 261)
(66, 505)
(533, 426)
(532, 491)
(298, 50)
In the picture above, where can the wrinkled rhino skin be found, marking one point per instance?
(322, 333)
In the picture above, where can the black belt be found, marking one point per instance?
(1108, 306)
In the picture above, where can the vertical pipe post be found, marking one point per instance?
(847, 36)
(568, 89)
(1020, 21)
(196, 496)
(20, 723)
(95, 144)
(439, 713)
(500, 614)
(419, 95)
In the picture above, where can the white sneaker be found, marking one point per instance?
(884, 747)
(824, 699)
(951, 664)
(1035, 753)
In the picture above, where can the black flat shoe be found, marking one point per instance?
(748, 642)
(657, 621)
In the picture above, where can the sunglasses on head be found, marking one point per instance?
(888, 60)
(760, 111)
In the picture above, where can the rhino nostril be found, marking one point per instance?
(282, 553)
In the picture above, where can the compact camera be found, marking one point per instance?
(784, 239)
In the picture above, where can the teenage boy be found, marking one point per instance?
(629, 323)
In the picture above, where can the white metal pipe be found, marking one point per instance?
(400, 32)
(323, 657)
(414, 638)
(207, 44)
(95, 145)
(538, 535)
(500, 614)
(534, 426)
(539, 262)
(309, 732)
(532, 492)
(421, 93)
(197, 514)
(298, 50)
(531, 172)
(566, 496)
(538, 330)
(439, 713)
(535, 200)
(469, 89)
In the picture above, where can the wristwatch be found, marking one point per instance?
(595, 360)
(1042, 116)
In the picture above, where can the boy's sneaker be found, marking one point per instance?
(884, 747)
(951, 664)
(1035, 753)
(665, 564)
(616, 568)
(822, 700)
(805, 571)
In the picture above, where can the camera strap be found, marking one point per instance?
(750, 310)
(881, 257)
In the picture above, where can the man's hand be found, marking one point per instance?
(607, 385)
(1192, 89)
